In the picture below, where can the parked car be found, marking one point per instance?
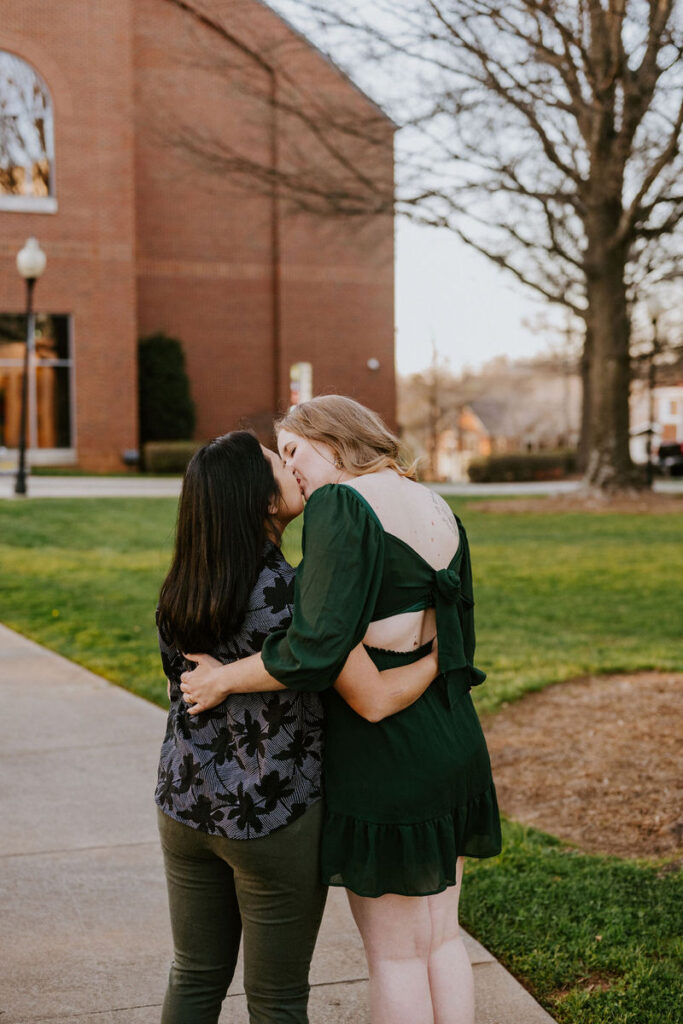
(670, 459)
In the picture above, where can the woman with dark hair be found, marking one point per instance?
(238, 791)
(410, 795)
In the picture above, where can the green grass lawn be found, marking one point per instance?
(598, 940)
(557, 596)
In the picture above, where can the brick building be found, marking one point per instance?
(97, 103)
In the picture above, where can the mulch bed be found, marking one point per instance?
(597, 762)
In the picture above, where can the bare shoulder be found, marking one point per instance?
(404, 506)
(383, 482)
(443, 510)
(387, 492)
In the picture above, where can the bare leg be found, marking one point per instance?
(451, 981)
(396, 935)
(419, 969)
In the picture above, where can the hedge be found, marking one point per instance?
(168, 456)
(167, 412)
(520, 466)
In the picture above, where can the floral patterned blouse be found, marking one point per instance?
(252, 764)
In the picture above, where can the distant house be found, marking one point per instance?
(524, 410)
(141, 236)
(456, 446)
(667, 417)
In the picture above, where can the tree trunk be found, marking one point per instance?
(609, 467)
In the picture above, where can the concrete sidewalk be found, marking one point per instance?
(85, 932)
(141, 486)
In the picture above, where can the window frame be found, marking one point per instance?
(47, 456)
(13, 203)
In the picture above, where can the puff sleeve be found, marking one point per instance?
(336, 590)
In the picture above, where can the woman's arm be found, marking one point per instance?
(372, 694)
(211, 681)
(336, 589)
(375, 695)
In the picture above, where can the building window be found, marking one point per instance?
(49, 382)
(26, 139)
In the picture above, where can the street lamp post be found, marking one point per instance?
(655, 310)
(31, 262)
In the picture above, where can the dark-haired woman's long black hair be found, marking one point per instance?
(223, 518)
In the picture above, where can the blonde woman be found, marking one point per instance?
(408, 796)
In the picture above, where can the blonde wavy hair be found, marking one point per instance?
(359, 438)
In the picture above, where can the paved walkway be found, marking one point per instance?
(141, 486)
(85, 937)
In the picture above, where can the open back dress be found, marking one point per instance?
(407, 796)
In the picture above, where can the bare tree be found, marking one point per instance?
(327, 149)
(543, 133)
(428, 403)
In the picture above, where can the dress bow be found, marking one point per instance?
(450, 601)
(447, 582)
(453, 603)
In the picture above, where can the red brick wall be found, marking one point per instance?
(147, 239)
(83, 51)
(206, 248)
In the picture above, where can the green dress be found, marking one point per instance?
(407, 796)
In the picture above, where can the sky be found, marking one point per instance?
(445, 291)
(448, 293)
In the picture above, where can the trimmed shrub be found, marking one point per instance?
(521, 466)
(168, 456)
(167, 412)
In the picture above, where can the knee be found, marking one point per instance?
(415, 946)
(272, 1004)
(409, 941)
(403, 947)
(211, 982)
(443, 934)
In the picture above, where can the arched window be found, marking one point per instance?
(26, 138)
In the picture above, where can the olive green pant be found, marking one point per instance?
(267, 890)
